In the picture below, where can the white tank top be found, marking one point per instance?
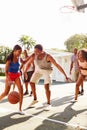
(43, 63)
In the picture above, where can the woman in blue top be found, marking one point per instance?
(12, 74)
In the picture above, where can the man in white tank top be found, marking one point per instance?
(43, 68)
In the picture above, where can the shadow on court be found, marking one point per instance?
(54, 82)
(9, 120)
(62, 116)
(2, 80)
(59, 120)
(61, 101)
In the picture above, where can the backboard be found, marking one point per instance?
(80, 5)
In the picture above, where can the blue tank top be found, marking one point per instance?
(14, 67)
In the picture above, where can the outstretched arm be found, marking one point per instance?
(30, 61)
(53, 61)
(24, 61)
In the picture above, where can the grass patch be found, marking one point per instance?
(2, 74)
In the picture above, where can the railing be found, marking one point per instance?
(2, 68)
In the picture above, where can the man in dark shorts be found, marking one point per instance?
(29, 73)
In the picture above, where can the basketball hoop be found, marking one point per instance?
(80, 5)
(67, 9)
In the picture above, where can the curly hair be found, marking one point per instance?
(84, 54)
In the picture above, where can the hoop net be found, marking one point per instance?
(67, 9)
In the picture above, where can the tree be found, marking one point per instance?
(27, 42)
(78, 40)
(4, 51)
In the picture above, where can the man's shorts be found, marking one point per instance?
(13, 76)
(75, 75)
(29, 74)
(45, 74)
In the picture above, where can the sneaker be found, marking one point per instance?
(21, 112)
(82, 92)
(26, 93)
(79, 92)
(30, 94)
(73, 101)
(33, 102)
(47, 107)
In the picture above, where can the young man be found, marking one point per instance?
(29, 73)
(43, 67)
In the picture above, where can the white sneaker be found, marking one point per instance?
(33, 102)
(47, 107)
(21, 112)
(73, 101)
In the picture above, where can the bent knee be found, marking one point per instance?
(31, 83)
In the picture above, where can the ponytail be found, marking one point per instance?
(10, 56)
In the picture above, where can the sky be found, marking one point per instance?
(41, 20)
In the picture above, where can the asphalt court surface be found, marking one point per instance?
(63, 115)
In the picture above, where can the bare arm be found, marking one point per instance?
(30, 61)
(53, 61)
(71, 66)
(21, 66)
(24, 61)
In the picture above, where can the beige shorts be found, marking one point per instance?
(75, 75)
(45, 74)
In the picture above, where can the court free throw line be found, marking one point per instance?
(44, 118)
(60, 122)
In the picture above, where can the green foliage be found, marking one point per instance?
(78, 40)
(27, 42)
(4, 51)
(2, 74)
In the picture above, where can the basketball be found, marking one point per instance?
(13, 97)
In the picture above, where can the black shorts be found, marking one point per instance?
(29, 74)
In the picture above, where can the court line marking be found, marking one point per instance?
(48, 119)
(60, 122)
(3, 110)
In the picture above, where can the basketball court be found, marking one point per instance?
(62, 116)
